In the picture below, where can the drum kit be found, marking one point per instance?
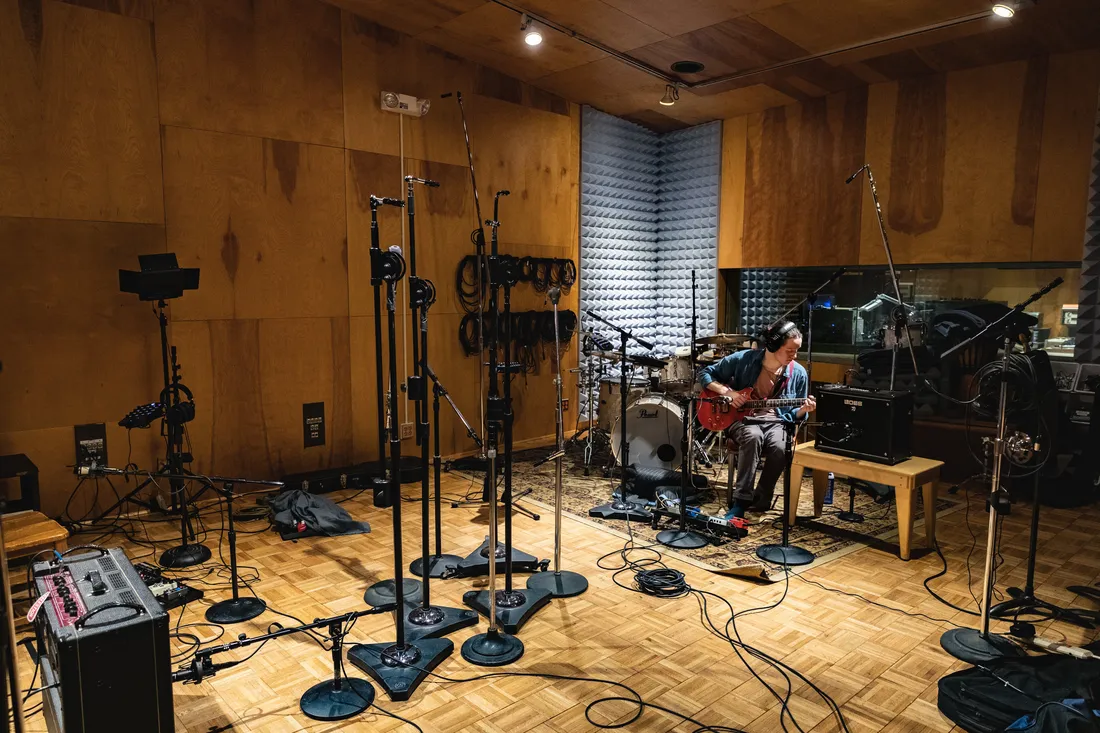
(659, 389)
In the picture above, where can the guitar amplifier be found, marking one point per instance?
(873, 425)
(102, 645)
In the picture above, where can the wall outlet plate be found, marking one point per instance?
(91, 444)
(406, 431)
(565, 404)
(313, 424)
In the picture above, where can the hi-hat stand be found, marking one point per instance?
(159, 280)
(621, 507)
(785, 553)
(683, 538)
(426, 621)
(387, 267)
(979, 646)
(514, 607)
(560, 583)
(401, 666)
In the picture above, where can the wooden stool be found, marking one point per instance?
(906, 477)
(27, 533)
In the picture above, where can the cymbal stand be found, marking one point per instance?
(560, 583)
(400, 667)
(425, 621)
(387, 267)
(620, 506)
(513, 607)
(683, 538)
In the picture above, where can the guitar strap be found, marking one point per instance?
(779, 383)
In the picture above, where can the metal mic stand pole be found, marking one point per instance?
(620, 507)
(786, 553)
(236, 609)
(386, 268)
(426, 621)
(560, 583)
(683, 538)
(514, 607)
(399, 667)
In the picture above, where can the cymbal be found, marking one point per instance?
(723, 339)
(641, 360)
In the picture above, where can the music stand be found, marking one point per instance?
(162, 279)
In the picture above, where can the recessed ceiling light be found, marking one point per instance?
(687, 67)
(1004, 9)
(671, 95)
(531, 34)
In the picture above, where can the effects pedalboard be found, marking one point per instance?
(734, 528)
(169, 593)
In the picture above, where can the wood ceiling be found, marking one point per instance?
(746, 38)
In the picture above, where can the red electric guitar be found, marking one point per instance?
(717, 414)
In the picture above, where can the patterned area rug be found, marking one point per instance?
(827, 537)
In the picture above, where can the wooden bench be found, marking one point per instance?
(26, 533)
(906, 477)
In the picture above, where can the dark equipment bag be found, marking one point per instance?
(978, 700)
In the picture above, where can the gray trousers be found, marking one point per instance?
(758, 440)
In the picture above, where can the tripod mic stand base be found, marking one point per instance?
(681, 539)
(184, 556)
(784, 555)
(477, 562)
(326, 701)
(492, 649)
(438, 565)
(399, 671)
(236, 610)
(434, 622)
(514, 607)
(968, 645)
(383, 592)
(562, 584)
(631, 511)
(855, 517)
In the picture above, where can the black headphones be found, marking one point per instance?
(776, 335)
(184, 411)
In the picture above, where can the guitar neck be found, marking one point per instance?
(764, 404)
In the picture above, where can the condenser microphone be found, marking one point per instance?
(856, 174)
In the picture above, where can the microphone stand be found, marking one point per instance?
(560, 583)
(440, 564)
(426, 621)
(620, 507)
(236, 609)
(683, 538)
(386, 267)
(399, 667)
(980, 646)
(513, 607)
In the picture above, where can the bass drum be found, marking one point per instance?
(654, 429)
(611, 402)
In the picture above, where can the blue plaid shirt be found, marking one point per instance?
(742, 368)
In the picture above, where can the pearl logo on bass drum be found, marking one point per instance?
(642, 414)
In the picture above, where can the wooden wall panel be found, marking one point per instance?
(798, 212)
(953, 157)
(78, 115)
(252, 377)
(367, 174)
(1068, 126)
(131, 8)
(260, 67)
(265, 221)
(76, 350)
(731, 215)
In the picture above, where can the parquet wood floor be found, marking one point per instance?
(880, 665)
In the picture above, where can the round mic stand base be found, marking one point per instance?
(681, 539)
(851, 515)
(236, 610)
(562, 584)
(383, 592)
(184, 556)
(337, 699)
(492, 649)
(968, 645)
(438, 565)
(788, 555)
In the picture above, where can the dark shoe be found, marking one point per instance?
(737, 511)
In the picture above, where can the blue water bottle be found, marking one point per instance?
(829, 490)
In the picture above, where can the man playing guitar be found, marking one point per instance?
(771, 373)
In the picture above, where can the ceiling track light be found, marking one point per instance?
(531, 34)
(672, 95)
